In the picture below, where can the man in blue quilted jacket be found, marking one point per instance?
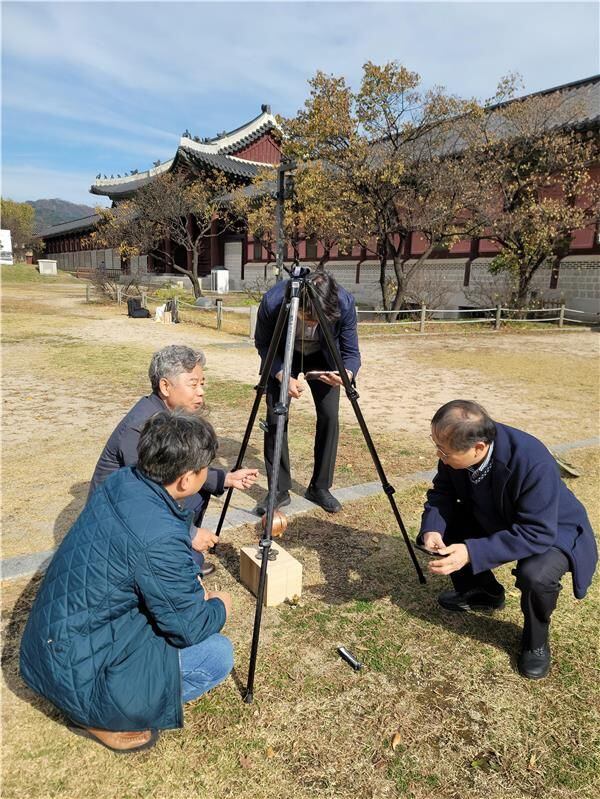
(497, 497)
(122, 631)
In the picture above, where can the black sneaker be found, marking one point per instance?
(474, 599)
(281, 500)
(535, 663)
(323, 498)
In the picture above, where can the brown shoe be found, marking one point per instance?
(120, 742)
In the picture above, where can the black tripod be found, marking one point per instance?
(289, 310)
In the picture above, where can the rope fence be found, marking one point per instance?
(241, 320)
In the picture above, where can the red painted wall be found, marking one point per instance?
(265, 150)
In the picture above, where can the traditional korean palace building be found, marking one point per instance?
(242, 152)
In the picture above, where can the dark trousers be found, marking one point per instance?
(537, 577)
(327, 403)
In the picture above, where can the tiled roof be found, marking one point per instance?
(215, 152)
(239, 138)
(238, 167)
(581, 105)
(129, 184)
(84, 223)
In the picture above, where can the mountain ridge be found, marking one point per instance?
(53, 211)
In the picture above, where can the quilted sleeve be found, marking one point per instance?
(167, 581)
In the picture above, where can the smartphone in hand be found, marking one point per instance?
(315, 374)
(431, 552)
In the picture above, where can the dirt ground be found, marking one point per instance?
(439, 710)
(401, 382)
(63, 394)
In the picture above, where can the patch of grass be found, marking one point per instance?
(28, 273)
(443, 687)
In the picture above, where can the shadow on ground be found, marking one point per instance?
(367, 566)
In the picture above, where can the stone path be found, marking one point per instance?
(24, 565)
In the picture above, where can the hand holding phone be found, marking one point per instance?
(315, 374)
(431, 552)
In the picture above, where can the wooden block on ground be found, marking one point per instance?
(167, 318)
(284, 575)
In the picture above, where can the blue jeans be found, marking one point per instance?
(204, 665)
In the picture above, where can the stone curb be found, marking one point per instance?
(24, 565)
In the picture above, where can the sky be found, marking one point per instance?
(107, 87)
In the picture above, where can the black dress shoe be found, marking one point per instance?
(281, 500)
(472, 599)
(206, 569)
(323, 498)
(535, 663)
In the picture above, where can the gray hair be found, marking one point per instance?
(172, 361)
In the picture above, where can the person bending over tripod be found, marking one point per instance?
(310, 354)
(497, 497)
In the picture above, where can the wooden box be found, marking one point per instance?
(167, 318)
(284, 575)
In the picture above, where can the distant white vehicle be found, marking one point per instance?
(6, 251)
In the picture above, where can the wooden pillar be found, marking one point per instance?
(169, 252)
(214, 243)
(473, 254)
(190, 229)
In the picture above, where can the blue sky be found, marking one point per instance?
(107, 87)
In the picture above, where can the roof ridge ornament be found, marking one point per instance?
(265, 108)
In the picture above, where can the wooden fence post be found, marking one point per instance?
(219, 314)
(143, 293)
(422, 320)
(561, 316)
(253, 315)
(119, 292)
(87, 292)
(498, 317)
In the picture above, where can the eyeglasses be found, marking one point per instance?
(438, 449)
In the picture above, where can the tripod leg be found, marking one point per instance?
(352, 395)
(260, 390)
(281, 410)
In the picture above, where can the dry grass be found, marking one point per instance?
(468, 726)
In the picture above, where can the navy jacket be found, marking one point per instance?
(119, 599)
(121, 450)
(344, 329)
(537, 508)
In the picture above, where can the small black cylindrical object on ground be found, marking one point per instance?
(349, 658)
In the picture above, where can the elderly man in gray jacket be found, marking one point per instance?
(177, 378)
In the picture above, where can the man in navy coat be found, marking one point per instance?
(497, 497)
(176, 375)
(310, 354)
